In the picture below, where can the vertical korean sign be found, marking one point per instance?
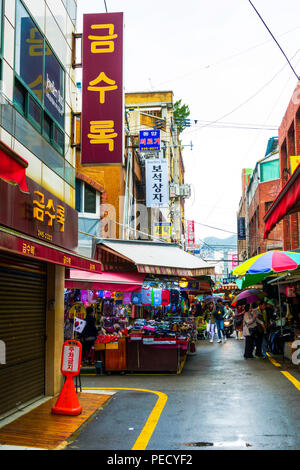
(102, 89)
(157, 183)
(190, 231)
(235, 260)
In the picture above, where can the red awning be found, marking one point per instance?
(116, 282)
(13, 168)
(287, 202)
(17, 243)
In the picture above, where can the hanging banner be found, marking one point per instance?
(241, 228)
(157, 183)
(235, 260)
(102, 89)
(190, 233)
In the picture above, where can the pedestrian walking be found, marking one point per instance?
(219, 317)
(249, 331)
(210, 319)
(238, 319)
(89, 334)
(260, 330)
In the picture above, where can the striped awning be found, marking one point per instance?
(149, 258)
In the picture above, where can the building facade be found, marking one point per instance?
(38, 220)
(260, 188)
(286, 206)
(112, 199)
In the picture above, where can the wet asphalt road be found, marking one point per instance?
(220, 401)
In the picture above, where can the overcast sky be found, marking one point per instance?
(219, 59)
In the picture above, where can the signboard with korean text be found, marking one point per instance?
(150, 141)
(163, 229)
(294, 160)
(157, 183)
(39, 214)
(102, 89)
(234, 260)
(71, 358)
(241, 228)
(190, 233)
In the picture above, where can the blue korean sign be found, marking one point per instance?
(150, 141)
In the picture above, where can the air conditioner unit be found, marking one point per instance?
(174, 190)
(185, 190)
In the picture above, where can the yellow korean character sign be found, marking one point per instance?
(102, 89)
(295, 160)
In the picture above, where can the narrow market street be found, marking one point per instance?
(219, 401)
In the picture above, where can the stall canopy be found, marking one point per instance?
(149, 258)
(117, 282)
(287, 202)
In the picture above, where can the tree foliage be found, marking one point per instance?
(181, 114)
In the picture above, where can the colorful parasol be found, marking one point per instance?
(213, 298)
(270, 262)
(249, 295)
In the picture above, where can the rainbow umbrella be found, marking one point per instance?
(270, 262)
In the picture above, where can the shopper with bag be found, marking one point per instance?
(249, 331)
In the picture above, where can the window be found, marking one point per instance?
(87, 199)
(268, 205)
(29, 52)
(47, 127)
(20, 96)
(39, 91)
(269, 171)
(34, 112)
(54, 87)
(58, 139)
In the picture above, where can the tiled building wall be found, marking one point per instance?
(56, 20)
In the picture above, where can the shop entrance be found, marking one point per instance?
(23, 285)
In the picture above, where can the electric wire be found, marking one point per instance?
(288, 61)
(225, 59)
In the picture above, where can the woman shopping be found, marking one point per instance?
(238, 318)
(249, 331)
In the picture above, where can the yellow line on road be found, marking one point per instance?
(271, 359)
(289, 376)
(147, 431)
(292, 379)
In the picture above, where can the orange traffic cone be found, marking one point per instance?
(67, 403)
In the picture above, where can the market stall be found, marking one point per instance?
(143, 319)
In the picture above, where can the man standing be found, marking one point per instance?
(219, 316)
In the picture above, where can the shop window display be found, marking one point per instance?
(131, 325)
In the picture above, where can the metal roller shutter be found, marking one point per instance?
(22, 327)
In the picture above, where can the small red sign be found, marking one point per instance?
(71, 358)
